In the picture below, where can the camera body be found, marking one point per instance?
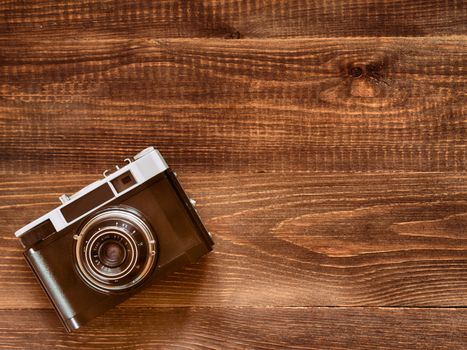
(113, 238)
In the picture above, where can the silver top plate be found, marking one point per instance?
(145, 165)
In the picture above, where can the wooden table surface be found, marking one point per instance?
(325, 143)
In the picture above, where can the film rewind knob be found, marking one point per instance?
(144, 152)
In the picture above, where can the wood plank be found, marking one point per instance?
(300, 239)
(243, 328)
(247, 105)
(232, 19)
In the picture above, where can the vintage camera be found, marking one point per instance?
(113, 237)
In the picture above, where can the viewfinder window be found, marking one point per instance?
(124, 181)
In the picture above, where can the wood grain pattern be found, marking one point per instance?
(289, 240)
(265, 328)
(232, 18)
(327, 150)
(247, 105)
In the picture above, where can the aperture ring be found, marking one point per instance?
(129, 228)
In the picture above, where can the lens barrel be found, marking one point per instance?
(115, 249)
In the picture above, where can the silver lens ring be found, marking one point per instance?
(110, 274)
(128, 227)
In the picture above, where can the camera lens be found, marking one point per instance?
(112, 253)
(115, 249)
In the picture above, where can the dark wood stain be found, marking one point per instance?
(236, 105)
(218, 18)
(229, 328)
(324, 141)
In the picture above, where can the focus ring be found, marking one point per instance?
(124, 227)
